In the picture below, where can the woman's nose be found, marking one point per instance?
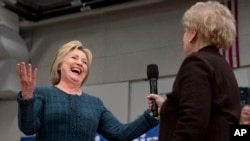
(79, 62)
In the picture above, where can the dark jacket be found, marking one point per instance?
(205, 100)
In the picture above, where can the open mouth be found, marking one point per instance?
(76, 70)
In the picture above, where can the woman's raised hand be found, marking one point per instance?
(27, 77)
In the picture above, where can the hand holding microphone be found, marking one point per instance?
(156, 99)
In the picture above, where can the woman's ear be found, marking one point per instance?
(193, 36)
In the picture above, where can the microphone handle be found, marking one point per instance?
(154, 109)
(153, 89)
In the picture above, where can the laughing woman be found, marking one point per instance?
(63, 111)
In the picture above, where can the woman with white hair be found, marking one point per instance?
(205, 98)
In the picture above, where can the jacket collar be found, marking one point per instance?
(209, 48)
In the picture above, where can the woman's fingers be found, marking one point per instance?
(150, 104)
(149, 99)
(26, 71)
(23, 69)
(29, 71)
(27, 75)
(27, 78)
(34, 74)
(158, 99)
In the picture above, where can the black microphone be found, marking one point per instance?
(153, 74)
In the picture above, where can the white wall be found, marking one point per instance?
(125, 39)
(115, 97)
(140, 89)
(244, 31)
(242, 76)
(123, 42)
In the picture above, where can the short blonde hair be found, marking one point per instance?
(214, 22)
(55, 75)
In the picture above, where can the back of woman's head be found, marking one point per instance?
(213, 21)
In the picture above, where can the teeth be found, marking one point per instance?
(76, 69)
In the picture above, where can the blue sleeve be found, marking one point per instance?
(113, 130)
(29, 113)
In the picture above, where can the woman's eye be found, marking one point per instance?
(85, 62)
(73, 57)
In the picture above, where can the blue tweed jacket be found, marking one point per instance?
(54, 115)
